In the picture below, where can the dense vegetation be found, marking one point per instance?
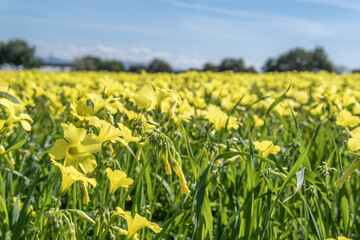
(87, 155)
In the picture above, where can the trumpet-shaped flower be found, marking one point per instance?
(15, 115)
(145, 97)
(77, 149)
(266, 148)
(135, 224)
(184, 112)
(346, 119)
(127, 134)
(81, 110)
(166, 101)
(217, 117)
(354, 142)
(107, 132)
(69, 176)
(118, 179)
(176, 166)
(353, 166)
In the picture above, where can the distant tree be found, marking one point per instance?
(19, 53)
(2, 59)
(136, 68)
(251, 69)
(298, 59)
(235, 65)
(321, 61)
(356, 71)
(87, 63)
(270, 66)
(158, 65)
(111, 65)
(210, 67)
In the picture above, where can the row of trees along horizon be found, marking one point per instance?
(18, 53)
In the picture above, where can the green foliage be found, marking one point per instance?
(91, 63)
(19, 53)
(236, 193)
(136, 68)
(298, 59)
(157, 65)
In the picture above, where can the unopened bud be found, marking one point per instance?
(82, 215)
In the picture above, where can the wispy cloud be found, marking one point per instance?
(288, 23)
(199, 7)
(337, 3)
(132, 54)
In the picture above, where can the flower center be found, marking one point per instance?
(73, 150)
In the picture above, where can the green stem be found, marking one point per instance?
(135, 182)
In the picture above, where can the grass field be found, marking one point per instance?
(88, 155)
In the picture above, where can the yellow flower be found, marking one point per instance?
(166, 101)
(127, 134)
(266, 148)
(353, 166)
(135, 224)
(81, 110)
(339, 238)
(107, 132)
(258, 121)
(69, 176)
(184, 112)
(77, 149)
(15, 115)
(217, 117)
(354, 142)
(167, 165)
(145, 97)
(176, 166)
(118, 179)
(346, 119)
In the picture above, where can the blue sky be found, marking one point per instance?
(183, 32)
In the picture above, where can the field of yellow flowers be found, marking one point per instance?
(86, 155)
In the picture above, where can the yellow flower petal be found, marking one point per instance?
(91, 144)
(145, 97)
(167, 165)
(74, 135)
(355, 133)
(354, 144)
(353, 166)
(117, 179)
(266, 148)
(136, 223)
(59, 149)
(71, 175)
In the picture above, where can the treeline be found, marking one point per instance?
(19, 53)
(91, 63)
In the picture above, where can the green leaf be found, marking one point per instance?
(4, 215)
(21, 223)
(300, 181)
(277, 101)
(10, 96)
(13, 147)
(313, 225)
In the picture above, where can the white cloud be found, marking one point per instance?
(337, 3)
(132, 54)
(293, 24)
(301, 26)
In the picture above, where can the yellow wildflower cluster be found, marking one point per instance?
(104, 129)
